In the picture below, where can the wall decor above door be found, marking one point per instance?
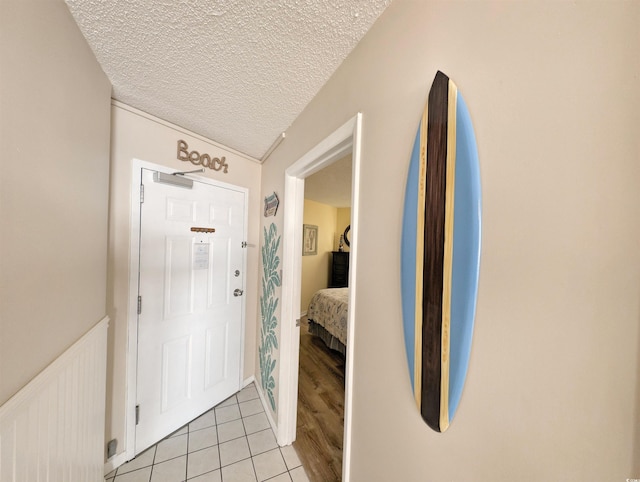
(204, 160)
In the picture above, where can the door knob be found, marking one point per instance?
(237, 292)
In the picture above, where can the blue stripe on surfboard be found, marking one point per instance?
(466, 253)
(408, 255)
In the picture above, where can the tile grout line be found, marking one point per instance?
(255, 472)
(244, 429)
(253, 464)
(186, 462)
(215, 414)
(153, 462)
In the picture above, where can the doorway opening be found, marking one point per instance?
(344, 140)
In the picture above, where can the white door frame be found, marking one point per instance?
(344, 140)
(132, 314)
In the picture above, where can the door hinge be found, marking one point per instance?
(139, 305)
(141, 193)
(244, 244)
(137, 414)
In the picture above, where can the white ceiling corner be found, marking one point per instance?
(236, 71)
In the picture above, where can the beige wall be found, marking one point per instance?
(344, 220)
(54, 171)
(553, 92)
(136, 135)
(315, 269)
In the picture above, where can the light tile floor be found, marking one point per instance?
(232, 442)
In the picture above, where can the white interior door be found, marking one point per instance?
(191, 304)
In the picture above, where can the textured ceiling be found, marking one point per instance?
(236, 71)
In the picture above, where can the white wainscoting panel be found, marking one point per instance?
(53, 429)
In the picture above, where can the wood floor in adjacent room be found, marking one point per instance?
(320, 408)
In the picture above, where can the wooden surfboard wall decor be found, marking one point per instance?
(441, 253)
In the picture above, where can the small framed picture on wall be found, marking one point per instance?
(309, 240)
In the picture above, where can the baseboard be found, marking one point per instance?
(249, 381)
(114, 462)
(267, 408)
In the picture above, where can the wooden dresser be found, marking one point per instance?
(339, 275)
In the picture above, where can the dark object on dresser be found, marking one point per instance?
(339, 269)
